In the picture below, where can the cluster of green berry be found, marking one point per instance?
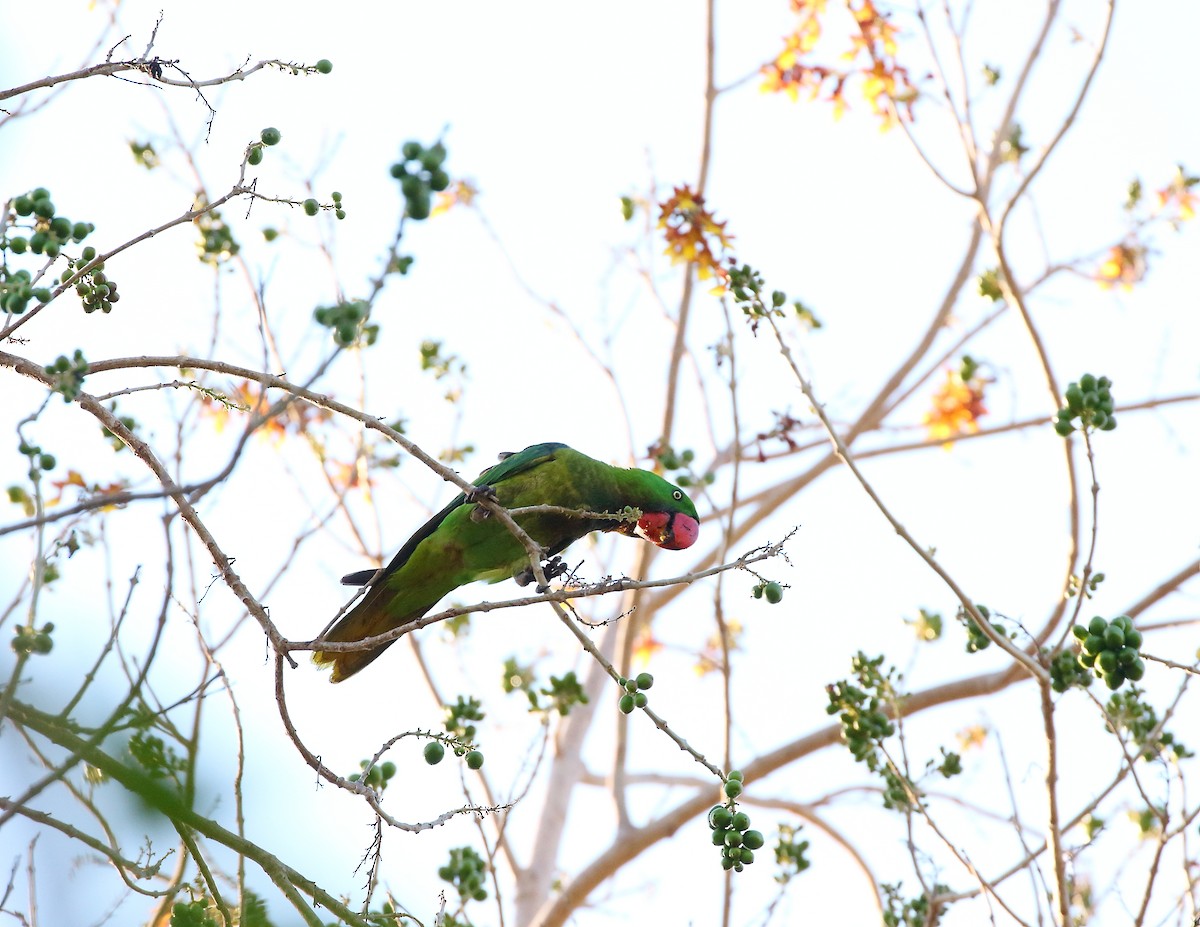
(1127, 711)
(1090, 400)
(977, 640)
(912, 912)
(28, 639)
(269, 138)
(1066, 671)
(17, 289)
(635, 695)
(746, 285)
(95, 289)
(38, 459)
(216, 243)
(312, 207)
(434, 752)
(773, 592)
(466, 871)
(421, 175)
(51, 232)
(376, 777)
(1110, 649)
(67, 376)
(348, 322)
(670, 459)
(731, 828)
(865, 724)
(460, 714)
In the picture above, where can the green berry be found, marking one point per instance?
(644, 680)
(1080, 632)
(757, 591)
(434, 751)
(474, 759)
(1114, 637)
(420, 206)
(641, 700)
(1133, 638)
(43, 209)
(1093, 644)
(255, 157)
(735, 774)
(630, 686)
(270, 136)
(733, 838)
(23, 205)
(335, 196)
(81, 230)
(1126, 656)
(1097, 625)
(89, 254)
(1063, 428)
(1136, 670)
(718, 837)
(1087, 382)
(17, 245)
(311, 207)
(726, 863)
(747, 855)
(773, 592)
(60, 227)
(626, 704)
(1113, 680)
(741, 820)
(398, 170)
(388, 769)
(719, 817)
(733, 788)
(412, 151)
(439, 180)
(324, 65)
(1107, 661)
(42, 295)
(753, 839)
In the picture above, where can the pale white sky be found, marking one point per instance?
(554, 111)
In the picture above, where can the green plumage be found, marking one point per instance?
(453, 548)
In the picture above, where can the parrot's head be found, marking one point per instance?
(670, 530)
(668, 518)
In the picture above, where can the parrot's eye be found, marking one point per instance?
(677, 494)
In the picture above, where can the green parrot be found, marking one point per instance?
(461, 544)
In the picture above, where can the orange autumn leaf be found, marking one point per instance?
(249, 396)
(1124, 265)
(693, 234)
(75, 478)
(1177, 197)
(463, 193)
(885, 84)
(956, 407)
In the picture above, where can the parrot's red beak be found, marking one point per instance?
(672, 530)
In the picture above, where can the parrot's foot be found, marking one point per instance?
(551, 568)
(477, 494)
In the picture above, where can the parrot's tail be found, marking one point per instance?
(367, 620)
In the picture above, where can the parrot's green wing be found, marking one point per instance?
(511, 465)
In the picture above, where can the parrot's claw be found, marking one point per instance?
(551, 568)
(477, 494)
